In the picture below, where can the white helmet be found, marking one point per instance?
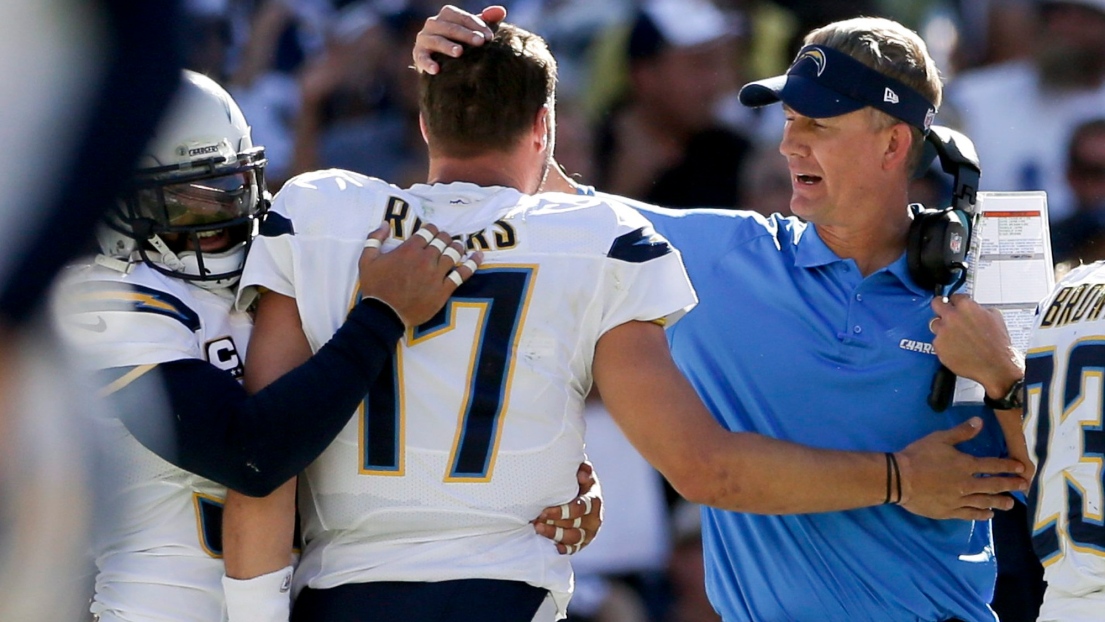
(196, 199)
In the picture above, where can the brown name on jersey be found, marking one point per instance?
(500, 236)
(1075, 304)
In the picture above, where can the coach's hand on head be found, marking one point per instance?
(451, 25)
(939, 481)
(416, 278)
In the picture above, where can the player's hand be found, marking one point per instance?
(939, 481)
(573, 525)
(451, 26)
(416, 278)
(973, 342)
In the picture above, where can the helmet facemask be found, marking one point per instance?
(196, 199)
(195, 221)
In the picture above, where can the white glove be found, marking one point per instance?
(266, 598)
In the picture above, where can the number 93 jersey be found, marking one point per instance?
(478, 424)
(1065, 382)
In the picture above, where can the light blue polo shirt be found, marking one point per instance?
(791, 341)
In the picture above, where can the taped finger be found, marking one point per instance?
(455, 277)
(452, 253)
(575, 548)
(470, 264)
(425, 234)
(372, 243)
(582, 534)
(587, 504)
(438, 243)
(559, 535)
(577, 522)
(565, 511)
(932, 325)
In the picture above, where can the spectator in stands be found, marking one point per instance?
(1081, 238)
(1021, 114)
(663, 143)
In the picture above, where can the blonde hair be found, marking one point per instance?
(892, 50)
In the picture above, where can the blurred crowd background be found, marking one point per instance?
(648, 109)
(648, 88)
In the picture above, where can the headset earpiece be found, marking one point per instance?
(936, 248)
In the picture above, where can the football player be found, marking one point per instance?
(416, 512)
(420, 507)
(713, 250)
(154, 313)
(1063, 427)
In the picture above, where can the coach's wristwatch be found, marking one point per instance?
(1012, 400)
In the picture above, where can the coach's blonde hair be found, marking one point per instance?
(893, 50)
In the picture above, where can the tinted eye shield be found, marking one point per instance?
(823, 82)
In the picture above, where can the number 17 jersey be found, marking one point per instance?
(478, 424)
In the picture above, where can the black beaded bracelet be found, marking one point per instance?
(888, 478)
(892, 467)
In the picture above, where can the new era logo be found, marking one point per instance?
(890, 96)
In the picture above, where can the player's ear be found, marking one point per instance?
(541, 126)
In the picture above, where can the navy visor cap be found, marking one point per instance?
(823, 82)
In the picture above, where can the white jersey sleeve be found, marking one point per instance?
(305, 209)
(116, 320)
(648, 274)
(1063, 427)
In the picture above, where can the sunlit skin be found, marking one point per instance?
(535, 146)
(216, 243)
(848, 177)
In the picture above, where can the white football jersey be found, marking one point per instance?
(159, 555)
(1065, 381)
(478, 425)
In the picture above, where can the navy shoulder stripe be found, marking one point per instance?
(275, 225)
(100, 296)
(639, 246)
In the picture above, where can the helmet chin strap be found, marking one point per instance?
(167, 257)
(187, 262)
(114, 263)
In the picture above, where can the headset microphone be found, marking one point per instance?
(939, 239)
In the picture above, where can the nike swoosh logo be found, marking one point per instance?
(98, 326)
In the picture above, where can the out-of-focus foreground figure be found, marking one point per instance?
(81, 85)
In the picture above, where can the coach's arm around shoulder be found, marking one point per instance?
(660, 413)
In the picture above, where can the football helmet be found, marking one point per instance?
(197, 196)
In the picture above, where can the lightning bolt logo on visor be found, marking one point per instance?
(815, 55)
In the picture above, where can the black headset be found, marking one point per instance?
(939, 239)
